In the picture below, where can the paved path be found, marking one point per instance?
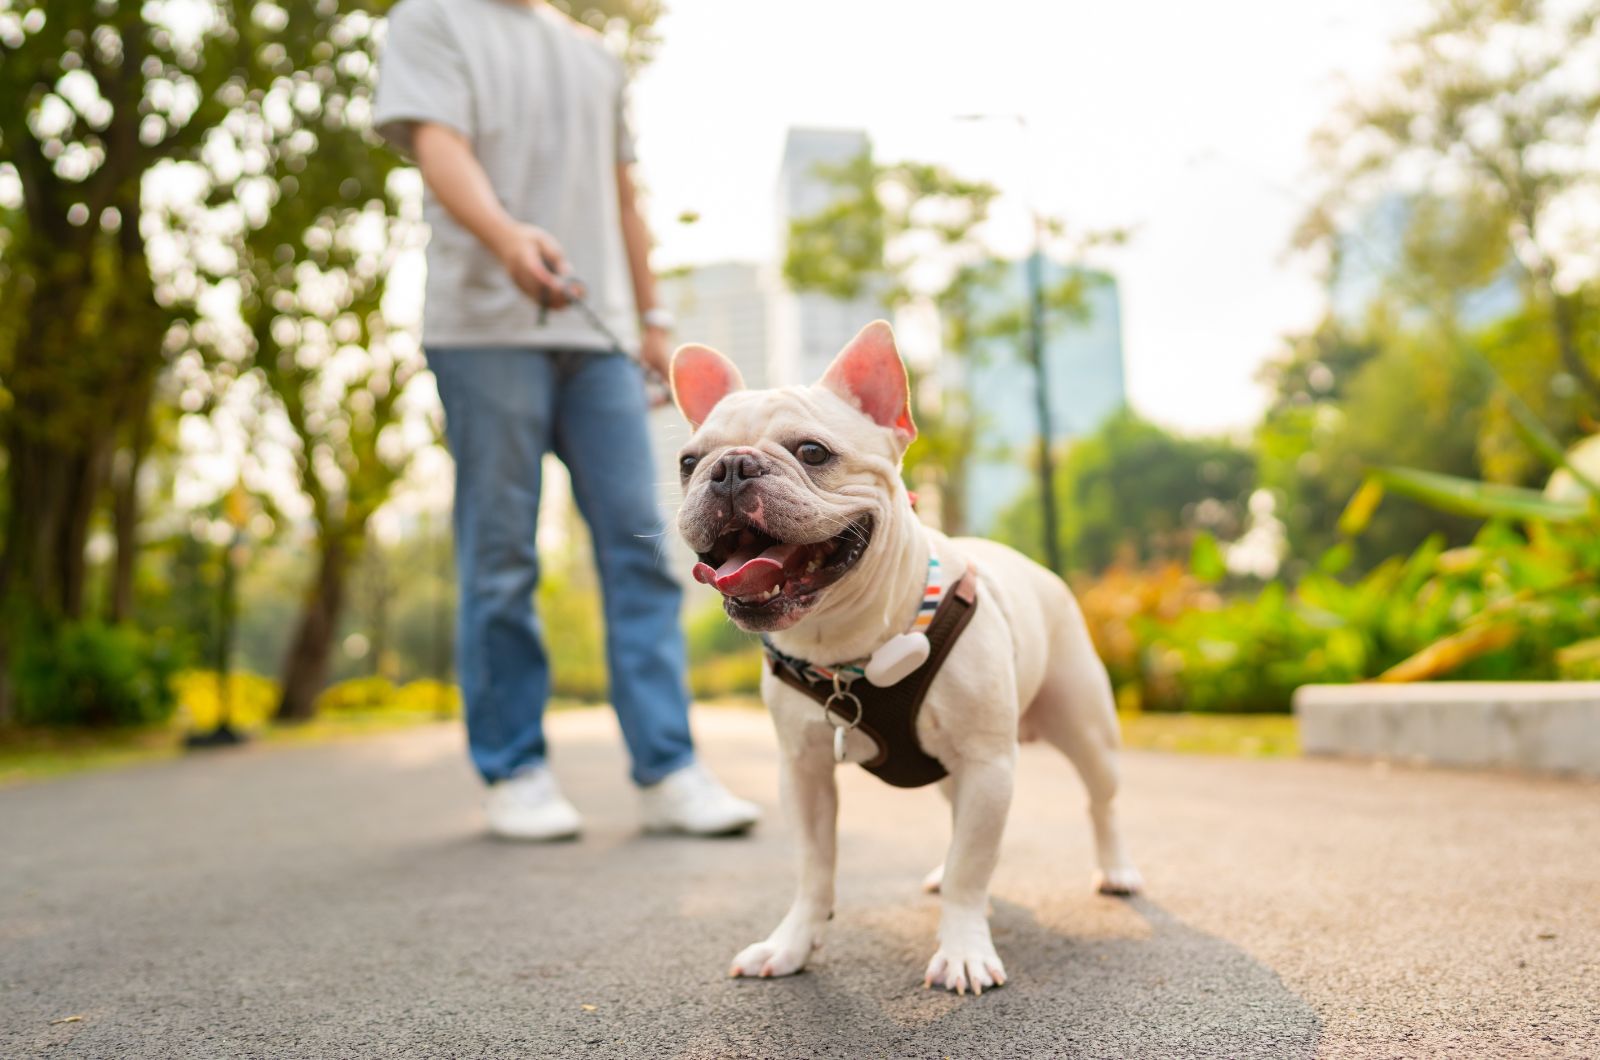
(340, 900)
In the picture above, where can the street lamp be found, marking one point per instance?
(1036, 357)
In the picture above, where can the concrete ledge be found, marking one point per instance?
(1546, 727)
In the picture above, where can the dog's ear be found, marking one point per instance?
(869, 374)
(701, 377)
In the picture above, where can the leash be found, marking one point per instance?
(656, 388)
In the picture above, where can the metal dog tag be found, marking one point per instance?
(838, 743)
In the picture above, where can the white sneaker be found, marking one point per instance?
(693, 801)
(530, 806)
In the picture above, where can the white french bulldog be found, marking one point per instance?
(793, 500)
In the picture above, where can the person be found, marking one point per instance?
(516, 117)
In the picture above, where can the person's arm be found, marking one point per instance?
(452, 172)
(636, 238)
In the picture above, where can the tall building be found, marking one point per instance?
(808, 329)
(727, 306)
(1083, 359)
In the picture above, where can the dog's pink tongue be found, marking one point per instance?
(747, 574)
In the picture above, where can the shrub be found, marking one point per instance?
(1512, 606)
(90, 673)
(427, 696)
(727, 675)
(358, 694)
(251, 698)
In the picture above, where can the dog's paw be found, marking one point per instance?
(934, 880)
(1122, 882)
(771, 958)
(958, 967)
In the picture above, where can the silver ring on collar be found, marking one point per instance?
(843, 697)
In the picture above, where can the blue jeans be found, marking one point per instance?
(504, 409)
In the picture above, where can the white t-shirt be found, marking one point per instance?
(543, 104)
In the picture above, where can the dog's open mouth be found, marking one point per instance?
(758, 574)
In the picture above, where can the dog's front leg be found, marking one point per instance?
(980, 799)
(813, 801)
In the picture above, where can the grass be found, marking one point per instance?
(31, 754)
(37, 754)
(1233, 735)
(1237, 735)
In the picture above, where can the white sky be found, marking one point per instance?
(1188, 122)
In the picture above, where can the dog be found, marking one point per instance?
(794, 502)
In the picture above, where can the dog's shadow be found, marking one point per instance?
(1142, 984)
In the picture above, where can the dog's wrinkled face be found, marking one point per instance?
(783, 489)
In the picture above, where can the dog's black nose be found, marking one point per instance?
(734, 472)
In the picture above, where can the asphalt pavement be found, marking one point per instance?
(342, 900)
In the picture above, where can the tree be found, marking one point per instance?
(913, 233)
(97, 95)
(629, 26)
(1346, 400)
(906, 233)
(251, 92)
(1477, 314)
(311, 260)
(1490, 103)
(310, 226)
(1134, 491)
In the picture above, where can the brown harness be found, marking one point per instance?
(889, 715)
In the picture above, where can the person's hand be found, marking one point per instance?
(655, 357)
(536, 264)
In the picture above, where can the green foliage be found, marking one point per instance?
(357, 694)
(885, 223)
(97, 96)
(1491, 99)
(569, 618)
(721, 676)
(370, 694)
(1348, 400)
(1519, 604)
(92, 674)
(1506, 608)
(723, 659)
(252, 698)
(1135, 491)
(1481, 500)
(629, 26)
(911, 232)
(903, 233)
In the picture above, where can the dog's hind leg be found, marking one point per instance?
(1076, 712)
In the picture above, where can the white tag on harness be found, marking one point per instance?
(897, 659)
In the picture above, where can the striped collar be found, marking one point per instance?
(932, 596)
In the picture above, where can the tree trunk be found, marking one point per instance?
(125, 520)
(305, 668)
(379, 647)
(52, 490)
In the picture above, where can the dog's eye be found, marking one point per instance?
(686, 464)
(813, 453)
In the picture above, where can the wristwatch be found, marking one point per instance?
(657, 317)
